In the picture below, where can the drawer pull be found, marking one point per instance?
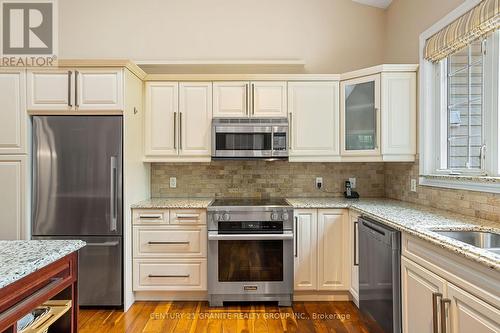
(188, 216)
(168, 276)
(167, 243)
(150, 217)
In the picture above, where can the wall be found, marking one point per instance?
(405, 21)
(332, 36)
(264, 179)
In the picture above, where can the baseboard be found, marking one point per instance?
(303, 296)
(171, 295)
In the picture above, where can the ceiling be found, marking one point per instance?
(375, 3)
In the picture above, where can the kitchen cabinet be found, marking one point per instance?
(333, 247)
(75, 89)
(418, 286)
(437, 284)
(13, 177)
(178, 121)
(249, 99)
(195, 118)
(169, 250)
(306, 234)
(13, 115)
(320, 233)
(162, 107)
(360, 116)
(354, 255)
(314, 121)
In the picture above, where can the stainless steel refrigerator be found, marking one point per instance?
(77, 194)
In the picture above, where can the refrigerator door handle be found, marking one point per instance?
(104, 244)
(113, 197)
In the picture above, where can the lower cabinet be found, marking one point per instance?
(354, 255)
(321, 248)
(169, 250)
(12, 197)
(430, 299)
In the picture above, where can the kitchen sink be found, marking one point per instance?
(485, 240)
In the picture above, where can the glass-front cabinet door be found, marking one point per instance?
(360, 116)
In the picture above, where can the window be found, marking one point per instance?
(466, 87)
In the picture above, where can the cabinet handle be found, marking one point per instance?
(188, 216)
(290, 132)
(253, 99)
(150, 217)
(76, 89)
(296, 237)
(70, 74)
(167, 243)
(175, 130)
(444, 301)
(180, 130)
(375, 124)
(435, 323)
(168, 276)
(246, 99)
(355, 243)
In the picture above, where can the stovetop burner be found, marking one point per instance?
(239, 202)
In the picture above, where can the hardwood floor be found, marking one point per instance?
(191, 317)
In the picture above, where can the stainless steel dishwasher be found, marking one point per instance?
(380, 274)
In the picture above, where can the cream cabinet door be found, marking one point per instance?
(12, 197)
(195, 118)
(161, 119)
(13, 115)
(268, 99)
(231, 99)
(99, 89)
(333, 268)
(468, 313)
(51, 90)
(305, 266)
(314, 120)
(399, 116)
(360, 116)
(417, 288)
(354, 255)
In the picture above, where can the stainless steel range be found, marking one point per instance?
(250, 251)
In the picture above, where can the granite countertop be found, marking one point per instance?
(416, 220)
(165, 203)
(21, 258)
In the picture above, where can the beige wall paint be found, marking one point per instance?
(406, 20)
(332, 36)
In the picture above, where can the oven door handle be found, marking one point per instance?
(287, 235)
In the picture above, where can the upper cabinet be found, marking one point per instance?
(378, 114)
(13, 113)
(250, 99)
(360, 121)
(314, 121)
(75, 90)
(178, 121)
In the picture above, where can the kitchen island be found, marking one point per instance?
(38, 272)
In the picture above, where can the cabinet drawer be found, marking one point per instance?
(150, 216)
(188, 216)
(170, 242)
(178, 275)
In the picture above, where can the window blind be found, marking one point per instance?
(479, 21)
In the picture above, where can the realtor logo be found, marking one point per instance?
(29, 32)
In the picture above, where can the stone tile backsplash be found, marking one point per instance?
(263, 179)
(470, 203)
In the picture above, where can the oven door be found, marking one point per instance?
(250, 263)
(242, 141)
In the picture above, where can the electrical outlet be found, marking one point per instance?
(173, 182)
(319, 183)
(353, 182)
(413, 185)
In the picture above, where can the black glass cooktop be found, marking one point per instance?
(249, 202)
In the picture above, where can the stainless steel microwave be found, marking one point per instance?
(250, 138)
